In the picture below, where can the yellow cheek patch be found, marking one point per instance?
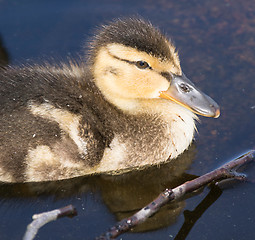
(129, 84)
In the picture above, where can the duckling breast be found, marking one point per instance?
(148, 140)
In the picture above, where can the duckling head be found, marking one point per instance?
(133, 62)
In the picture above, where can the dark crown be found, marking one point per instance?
(135, 33)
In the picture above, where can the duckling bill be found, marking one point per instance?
(128, 105)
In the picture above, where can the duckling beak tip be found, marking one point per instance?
(217, 113)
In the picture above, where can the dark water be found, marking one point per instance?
(216, 42)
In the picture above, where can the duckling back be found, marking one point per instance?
(40, 126)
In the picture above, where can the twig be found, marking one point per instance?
(41, 219)
(226, 171)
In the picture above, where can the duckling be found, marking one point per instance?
(126, 106)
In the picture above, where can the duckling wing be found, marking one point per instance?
(47, 128)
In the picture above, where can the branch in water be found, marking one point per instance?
(41, 219)
(226, 171)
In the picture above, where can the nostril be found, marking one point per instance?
(185, 88)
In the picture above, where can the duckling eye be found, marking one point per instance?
(142, 64)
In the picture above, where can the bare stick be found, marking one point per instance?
(41, 219)
(226, 171)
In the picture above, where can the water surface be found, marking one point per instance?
(216, 42)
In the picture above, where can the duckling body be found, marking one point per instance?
(107, 115)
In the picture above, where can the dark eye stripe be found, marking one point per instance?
(132, 62)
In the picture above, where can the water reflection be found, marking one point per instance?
(123, 195)
(191, 217)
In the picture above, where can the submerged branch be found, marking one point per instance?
(41, 219)
(226, 171)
